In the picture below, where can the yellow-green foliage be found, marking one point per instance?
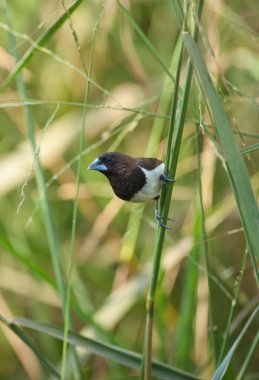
(83, 78)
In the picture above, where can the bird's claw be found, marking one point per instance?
(164, 225)
(159, 218)
(166, 179)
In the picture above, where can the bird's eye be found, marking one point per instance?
(109, 158)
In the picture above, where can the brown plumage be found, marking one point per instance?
(132, 179)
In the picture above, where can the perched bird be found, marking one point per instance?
(133, 179)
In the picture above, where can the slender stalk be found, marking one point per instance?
(147, 356)
(248, 357)
(170, 169)
(205, 241)
(81, 149)
(53, 243)
(173, 113)
(235, 166)
(41, 41)
(49, 224)
(146, 41)
(222, 368)
(232, 309)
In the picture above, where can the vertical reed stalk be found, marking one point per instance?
(173, 149)
(147, 356)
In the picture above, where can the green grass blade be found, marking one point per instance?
(53, 242)
(75, 206)
(27, 340)
(249, 149)
(218, 375)
(48, 219)
(184, 340)
(174, 139)
(130, 237)
(108, 351)
(235, 165)
(249, 355)
(232, 308)
(37, 270)
(164, 102)
(178, 10)
(41, 41)
(142, 36)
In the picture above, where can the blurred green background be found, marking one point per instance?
(114, 240)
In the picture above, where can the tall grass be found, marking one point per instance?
(89, 272)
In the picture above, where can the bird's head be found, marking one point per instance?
(108, 163)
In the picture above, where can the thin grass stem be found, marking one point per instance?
(52, 237)
(75, 207)
(41, 41)
(54, 246)
(147, 356)
(248, 357)
(232, 309)
(146, 41)
(175, 142)
(205, 242)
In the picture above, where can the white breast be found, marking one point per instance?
(153, 184)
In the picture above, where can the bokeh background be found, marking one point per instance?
(114, 240)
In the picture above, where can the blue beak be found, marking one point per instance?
(97, 164)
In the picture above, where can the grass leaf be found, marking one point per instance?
(146, 41)
(117, 354)
(27, 340)
(41, 41)
(235, 166)
(218, 375)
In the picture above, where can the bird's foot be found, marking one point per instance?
(166, 179)
(159, 218)
(161, 224)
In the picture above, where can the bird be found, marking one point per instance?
(133, 179)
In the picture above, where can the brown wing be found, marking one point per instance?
(148, 162)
